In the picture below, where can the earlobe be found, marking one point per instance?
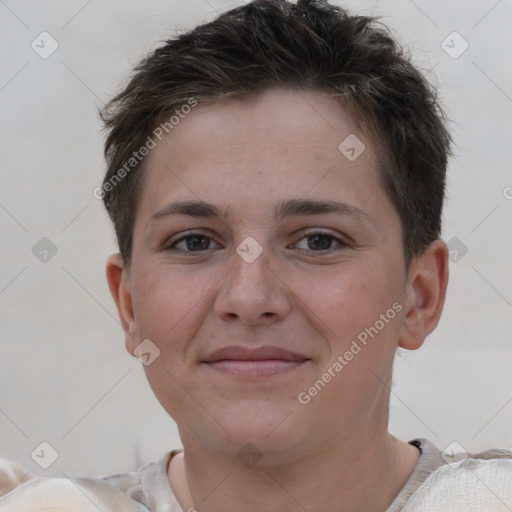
(427, 283)
(120, 289)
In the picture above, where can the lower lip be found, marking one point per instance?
(262, 368)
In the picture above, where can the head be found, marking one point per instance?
(257, 123)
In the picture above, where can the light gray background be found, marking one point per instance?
(65, 376)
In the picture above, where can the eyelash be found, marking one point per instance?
(193, 234)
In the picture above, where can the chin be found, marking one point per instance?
(269, 428)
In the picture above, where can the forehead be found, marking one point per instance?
(268, 148)
(274, 119)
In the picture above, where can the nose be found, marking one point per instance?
(253, 291)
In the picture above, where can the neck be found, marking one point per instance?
(341, 477)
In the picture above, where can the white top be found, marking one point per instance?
(481, 482)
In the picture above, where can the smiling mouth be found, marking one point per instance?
(254, 368)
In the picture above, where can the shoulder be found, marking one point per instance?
(149, 484)
(467, 483)
(21, 490)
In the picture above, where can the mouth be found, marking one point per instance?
(260, 368)
(261, 362)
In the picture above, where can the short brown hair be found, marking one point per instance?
(312, 45)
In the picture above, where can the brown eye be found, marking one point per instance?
(322, 242)
(193, 242)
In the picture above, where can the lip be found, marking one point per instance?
(257, 368)
(264, 361)
(240, 353)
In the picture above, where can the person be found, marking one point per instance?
(276, 180)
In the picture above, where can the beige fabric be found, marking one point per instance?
(12, 475)
(475, 486)
(20, 491)
(150, 484)
(482, 482)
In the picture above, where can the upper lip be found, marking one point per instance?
(237, 352)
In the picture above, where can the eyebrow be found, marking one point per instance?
(285, 209)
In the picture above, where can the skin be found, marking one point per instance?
(334, 453)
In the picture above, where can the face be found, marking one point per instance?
(295, 247)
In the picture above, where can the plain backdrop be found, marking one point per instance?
(65, 377)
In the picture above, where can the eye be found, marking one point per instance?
(193, 242)
(197, 242)
(321, 242)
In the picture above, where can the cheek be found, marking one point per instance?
(347, 299)
(353, 325)
(166, 305)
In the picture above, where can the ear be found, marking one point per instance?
(119, 283)
(426, 292)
